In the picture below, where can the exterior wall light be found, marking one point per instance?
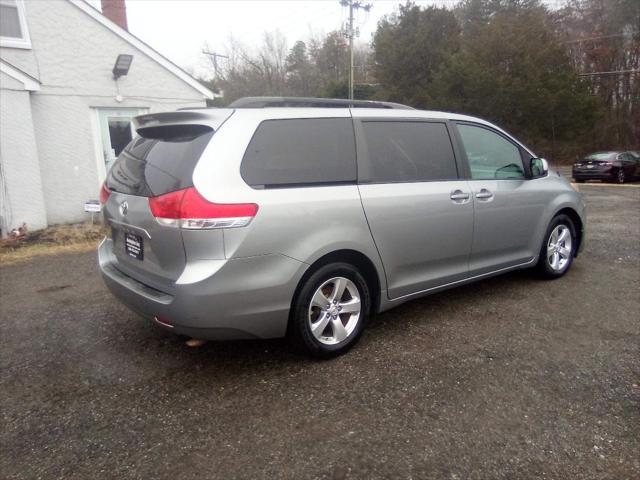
(121, 68)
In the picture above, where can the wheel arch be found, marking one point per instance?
(355, 258)
(577, 221)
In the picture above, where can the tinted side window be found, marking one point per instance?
(490, 155)
(300, 152)
(160, 160)
(408, 152)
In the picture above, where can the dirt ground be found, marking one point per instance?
(57, 239)
(511, 377)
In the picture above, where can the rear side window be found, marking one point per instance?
(408, 152)
(306, 151)
(160, 160)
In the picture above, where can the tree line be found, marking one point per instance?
(318, 67)
(566, 80)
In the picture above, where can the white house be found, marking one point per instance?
(64, 115)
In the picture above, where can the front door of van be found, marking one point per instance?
(420, 213)
(508, 206)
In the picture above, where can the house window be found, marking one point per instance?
(13, 24)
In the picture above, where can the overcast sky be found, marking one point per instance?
(179, 28)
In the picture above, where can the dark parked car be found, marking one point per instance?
(616, 167)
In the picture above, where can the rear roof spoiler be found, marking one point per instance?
(212, 117)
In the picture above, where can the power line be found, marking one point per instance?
(214, 58)
(613, 72)
(580, 40)
(350, 33)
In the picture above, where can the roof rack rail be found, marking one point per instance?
(297, 102)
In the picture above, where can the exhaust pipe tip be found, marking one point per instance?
(162, 322)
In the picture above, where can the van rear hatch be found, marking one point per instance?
(159, 161)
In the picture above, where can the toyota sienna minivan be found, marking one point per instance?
(304, 217)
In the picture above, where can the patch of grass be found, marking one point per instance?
(51, 241)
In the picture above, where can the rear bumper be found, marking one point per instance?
(593, 174)
(241, 298)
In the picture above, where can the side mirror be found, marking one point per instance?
(539, 167)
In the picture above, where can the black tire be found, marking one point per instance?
(580, 180)
(544, 267)
(300, 327)
(620, 176)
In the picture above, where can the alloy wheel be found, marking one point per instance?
(559, 248)
(334, 311)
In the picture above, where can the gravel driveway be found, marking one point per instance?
(508, 378)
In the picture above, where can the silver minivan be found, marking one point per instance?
(304, 217)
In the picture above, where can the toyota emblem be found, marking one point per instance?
(124, 208)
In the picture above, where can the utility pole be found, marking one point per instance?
(214, 59)
(350, 33)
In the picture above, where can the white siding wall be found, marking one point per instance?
(20, 188)
(72, 56)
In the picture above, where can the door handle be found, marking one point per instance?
(484, 194)
(458, 196)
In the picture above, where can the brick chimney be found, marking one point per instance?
(116, 11)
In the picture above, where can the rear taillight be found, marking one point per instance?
(188, 209)
(104, 193)
(167, 206)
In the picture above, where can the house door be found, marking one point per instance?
(116, 131)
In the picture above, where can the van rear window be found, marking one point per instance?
(299, 152)
(159, 160)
